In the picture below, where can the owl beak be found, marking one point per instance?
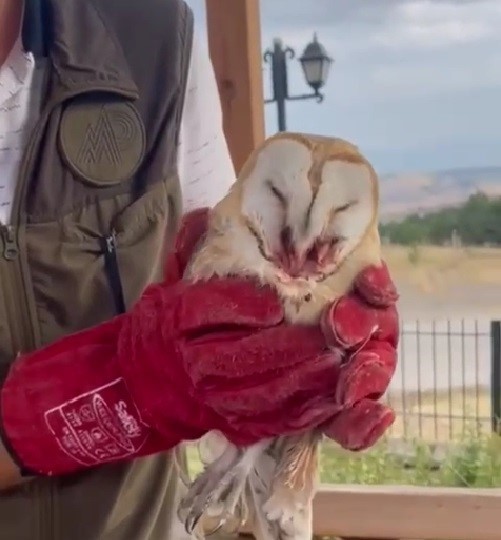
(290, 259)
(296, 262)
(323, 251)
(306, 260)
(291, 262)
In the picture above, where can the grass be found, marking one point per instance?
(435, 268)
(471, 462)
(442, 415)
(424, 447)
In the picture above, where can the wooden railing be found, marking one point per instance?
(404, 513)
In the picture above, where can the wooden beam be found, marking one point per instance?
(403, 512)
(234, 35)
(379, 512)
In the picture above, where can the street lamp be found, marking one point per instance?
(315, 63)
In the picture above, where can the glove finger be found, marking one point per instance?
(272, 393)
(376, 287)
(193, 227)
(295, 417)
(361, 426)
(388, 325)
(367, 374)
(222, 359)
(349, 323)
(311, 413)
(205, 306)
(195, 309)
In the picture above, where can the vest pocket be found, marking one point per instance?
(96, 263)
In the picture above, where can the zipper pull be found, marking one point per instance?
(111, 243)
(10, 247)
(109, 246)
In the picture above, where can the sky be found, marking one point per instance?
(416, 84)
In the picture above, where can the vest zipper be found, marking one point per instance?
(22, 304)
(10, 247)
(23, 311)
(10, 253)
(109, 246)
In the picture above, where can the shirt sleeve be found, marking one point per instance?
(205, 167)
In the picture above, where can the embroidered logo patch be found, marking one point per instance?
(102, 143)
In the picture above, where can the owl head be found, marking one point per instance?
(302, 216)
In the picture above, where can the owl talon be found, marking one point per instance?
(217, 490)
(201, 492)
(219, 495)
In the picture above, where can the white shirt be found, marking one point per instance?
(204, 164)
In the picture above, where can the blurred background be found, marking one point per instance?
(416, 84)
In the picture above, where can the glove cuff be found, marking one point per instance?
(67, 407)
(9, 449)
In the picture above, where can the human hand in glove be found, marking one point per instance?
(187, 359)
(364, 325)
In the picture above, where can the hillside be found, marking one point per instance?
(403, 193)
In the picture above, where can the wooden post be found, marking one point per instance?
(234, 35)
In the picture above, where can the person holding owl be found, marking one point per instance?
(103, 347)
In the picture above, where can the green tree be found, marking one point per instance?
(477, 221)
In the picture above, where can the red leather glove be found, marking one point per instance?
(187, 359)
(364, 325)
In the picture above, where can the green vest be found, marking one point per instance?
(97, 204)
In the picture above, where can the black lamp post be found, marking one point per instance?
(315, 63)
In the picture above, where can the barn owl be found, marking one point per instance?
(301, 217)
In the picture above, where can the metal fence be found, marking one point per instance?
(448, 380)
